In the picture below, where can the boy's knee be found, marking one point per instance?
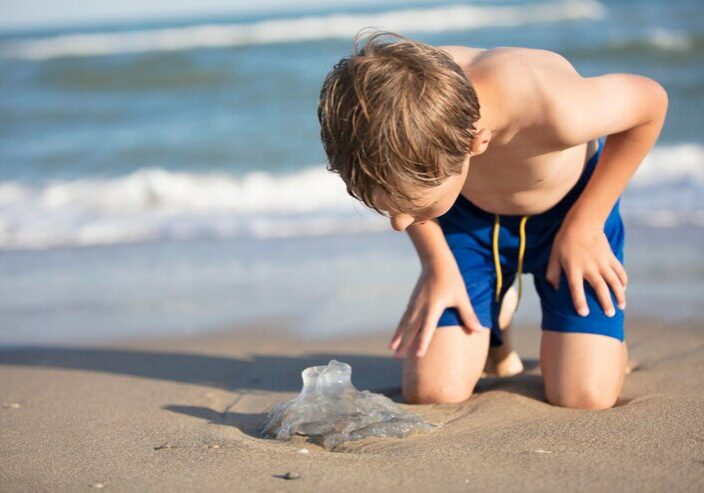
(584, 396)
(435, 395)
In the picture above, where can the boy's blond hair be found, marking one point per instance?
(396, 116)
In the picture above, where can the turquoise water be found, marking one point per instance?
(134, 155)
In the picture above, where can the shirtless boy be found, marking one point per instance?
(488, 159)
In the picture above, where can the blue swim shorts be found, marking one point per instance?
(479, 240)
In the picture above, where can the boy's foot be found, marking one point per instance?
(503, 361)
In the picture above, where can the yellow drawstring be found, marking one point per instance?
(521, 251)
(497, 263)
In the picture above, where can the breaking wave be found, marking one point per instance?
(157, 204)
(295, 29)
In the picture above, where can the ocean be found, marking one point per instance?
(167, 178)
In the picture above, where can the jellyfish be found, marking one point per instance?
(331, 408)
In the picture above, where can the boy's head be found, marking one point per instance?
(397, 122)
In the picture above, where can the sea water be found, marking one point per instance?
(166, 177)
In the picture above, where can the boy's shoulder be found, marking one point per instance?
(515, 85)
(504, 62)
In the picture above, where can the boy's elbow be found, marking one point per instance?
(660, 99)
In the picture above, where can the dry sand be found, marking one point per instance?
(183, 415)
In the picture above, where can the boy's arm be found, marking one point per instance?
(430, 243)
(439, 286)
(630, 110)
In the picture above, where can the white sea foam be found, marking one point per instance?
(454, 17)
(154, 204)
(659, 38)
(670, 40)
(672, 165)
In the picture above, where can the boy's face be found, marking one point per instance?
(432, 202)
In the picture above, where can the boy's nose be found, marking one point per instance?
(401, 221)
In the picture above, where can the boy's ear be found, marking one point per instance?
(480, 141)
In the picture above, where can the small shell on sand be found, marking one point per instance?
(214, 445)
(291, 475)
(165, 445)
(304, 451)
(97, 486)
(10, 405)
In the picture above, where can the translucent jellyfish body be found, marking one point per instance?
(331, 408)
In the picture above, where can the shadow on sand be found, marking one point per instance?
(260, 373)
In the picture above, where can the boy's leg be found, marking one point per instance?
(583, 359)
(454, 359)
(503, 360)
(582, 370)
(449, 370)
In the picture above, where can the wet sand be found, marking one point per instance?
(182, 414)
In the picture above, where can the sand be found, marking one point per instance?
(164, 415)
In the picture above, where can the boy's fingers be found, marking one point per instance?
(393, 345)
(469, 316)
(409, 334)
(620, 272)
(426, 333)
(553, 272)
(602, 294)
(615, 284)
(396, 339)
(576, 283)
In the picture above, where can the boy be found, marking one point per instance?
(488, 158)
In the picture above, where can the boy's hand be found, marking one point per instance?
(584, 253)
(437, 288)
